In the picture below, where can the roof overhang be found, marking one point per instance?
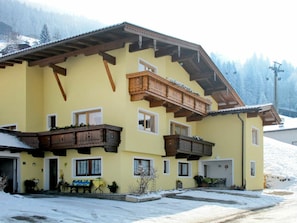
(10, 141)
(190, 56)
(267, 113)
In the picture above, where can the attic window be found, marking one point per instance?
(145, 66)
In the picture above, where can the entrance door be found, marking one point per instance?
(53, 174)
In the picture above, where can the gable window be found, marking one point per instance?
(253, 168)
(90, 117)
(166, 166)
(142, 167)
(88, 167)
(255, 136)
(51, 121)
(145, 66)
(184, 169)
(178, 129)
(147, 121)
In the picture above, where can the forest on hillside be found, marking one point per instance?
(29, 21)
(253, 80)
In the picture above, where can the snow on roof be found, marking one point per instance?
(11, 141)
(287, 124)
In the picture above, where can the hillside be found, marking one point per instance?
(28, 20)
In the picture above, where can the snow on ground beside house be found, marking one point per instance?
(192, 206)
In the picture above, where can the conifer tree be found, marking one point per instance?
(44, 36)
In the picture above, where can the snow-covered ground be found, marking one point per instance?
(194, 205)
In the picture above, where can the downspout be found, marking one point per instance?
(242, 151)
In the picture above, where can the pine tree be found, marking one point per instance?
(44, 36)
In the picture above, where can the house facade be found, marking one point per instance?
(105, 103)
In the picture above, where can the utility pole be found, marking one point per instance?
(276, 69)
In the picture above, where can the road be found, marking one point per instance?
(284, 212)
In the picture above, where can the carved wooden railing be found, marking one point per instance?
(161, 92)
(80, 138)
(187, 147)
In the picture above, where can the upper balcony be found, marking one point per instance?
(80, 138)
(161, 92)
(187, 147)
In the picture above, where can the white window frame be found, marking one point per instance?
(189, 169)
(48, 120)
(255, 136)
(75, 113)
(151, 165)
(166, 167)
(253, 168)
(147, 66)
(180, 124)
(74, 160)
(153, 115)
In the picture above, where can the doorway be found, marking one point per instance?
(53, 174)
(8, 168)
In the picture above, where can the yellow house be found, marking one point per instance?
(105, 103)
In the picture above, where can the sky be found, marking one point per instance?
(282, 183)
(235, 30)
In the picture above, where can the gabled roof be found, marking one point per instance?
(190, 56)
(266, 111)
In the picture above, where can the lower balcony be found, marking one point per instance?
(80, 138)
(187, 147)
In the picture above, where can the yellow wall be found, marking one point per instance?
(13, 96)
(37, 94)
(30, 168)
(226, 132)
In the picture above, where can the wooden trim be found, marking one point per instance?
(60, 86)
(58, 69)
(109, 75)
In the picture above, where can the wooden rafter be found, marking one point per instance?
(59, 70)
(109, 75)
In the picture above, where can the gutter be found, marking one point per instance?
(242, 151)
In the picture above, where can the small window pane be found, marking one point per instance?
(95, 118)
(82, 119)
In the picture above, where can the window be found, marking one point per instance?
(88, 167)
(143, 66)
(183, 169)
(91, 117)
(253, 168)
(9, 127)
(178, 129)
(166, 166)
(142, 167)
(51, 121)
(147, 121)
(255, 136)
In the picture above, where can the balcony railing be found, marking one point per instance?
(187, 147)
(80, 138)
(161, 92)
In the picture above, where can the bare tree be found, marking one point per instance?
(146, 176)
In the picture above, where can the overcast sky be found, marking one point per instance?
(230, 28)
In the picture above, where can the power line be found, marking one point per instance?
(276, 69)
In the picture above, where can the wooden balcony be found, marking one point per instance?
(187, 147)
(80, 138)
(161, 92)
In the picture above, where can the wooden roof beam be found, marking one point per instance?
(86, 51)
(144, 45)
(59, 70)
(107, 57)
